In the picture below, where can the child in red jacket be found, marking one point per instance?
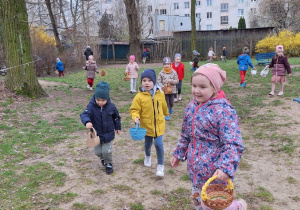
(179, 68)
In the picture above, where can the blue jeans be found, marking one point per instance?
(158, 142)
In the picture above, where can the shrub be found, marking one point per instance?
(289, 40)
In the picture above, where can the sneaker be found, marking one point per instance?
(271, 93)
(147, 161)
(130, 91)
(160, 170)
(280, 93)
(109, 168)
(171, 110)
(179, 97)
(102, 161)
(175, 99)
(88, 86)
(242, 203)
(167, 117)
(91, 88)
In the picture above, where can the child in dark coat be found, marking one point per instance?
(102, 115)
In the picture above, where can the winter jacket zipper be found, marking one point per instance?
(154, 117)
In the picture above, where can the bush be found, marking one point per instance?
(289, 40)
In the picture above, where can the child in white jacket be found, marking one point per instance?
(210, 54)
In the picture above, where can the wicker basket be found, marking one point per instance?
(127, 78)
(137, 133)
(102, 73)
(217, 196)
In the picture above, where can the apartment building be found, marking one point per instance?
(161, 17)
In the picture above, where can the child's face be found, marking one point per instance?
(147, 84)
(167, 65)
(131, 61)
(101, 102)
(202, 89)
(177, 59)
(279, 53)
(91, 59)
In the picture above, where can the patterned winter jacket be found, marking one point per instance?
(163, 79)
(91, 69)
(210, 140)
(132, 69)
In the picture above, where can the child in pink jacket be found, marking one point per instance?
(210, 140)
(132, 68)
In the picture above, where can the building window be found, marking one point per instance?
(198, 15)
(186, 4)
(151, 31)
(150, 20)
(209, 15)
(156, 11)
(209, 2)
(97, 2)
(208, 27)
(198, 3)
(253, 1)
(240, 12)
(187, 15)
(110, 17)
(176, 6)
(241, 1)
(107, 1)
(149, 8)
(161, 25)
(224, 7)
(163, 11)
(224, 20)
(98, 13)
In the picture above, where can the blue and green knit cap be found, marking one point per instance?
(102, 90)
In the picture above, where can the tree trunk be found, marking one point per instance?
(134, 29)
(21, 78)
(193, 24)
(63, 13)
(54, 28)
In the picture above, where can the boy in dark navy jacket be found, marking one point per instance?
(103, 115)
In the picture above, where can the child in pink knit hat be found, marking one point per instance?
(280, 66)
(210, 139)
(132, 69)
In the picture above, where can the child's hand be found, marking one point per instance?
(137, 120)
(83, 67)
(118, 132)
(267, 66)
(174, 162)
(89, 125)
(221, 175)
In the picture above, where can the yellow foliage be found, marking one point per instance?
(38, 35)
(288, 39)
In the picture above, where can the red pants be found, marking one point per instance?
(243, 74)
(90, 81)
(61, 73)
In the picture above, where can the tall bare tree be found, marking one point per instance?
(134, 28)
(193, 24)
(54, 28)
(281, 14)
(21, 78)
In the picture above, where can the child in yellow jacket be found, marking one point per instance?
(149, 108)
